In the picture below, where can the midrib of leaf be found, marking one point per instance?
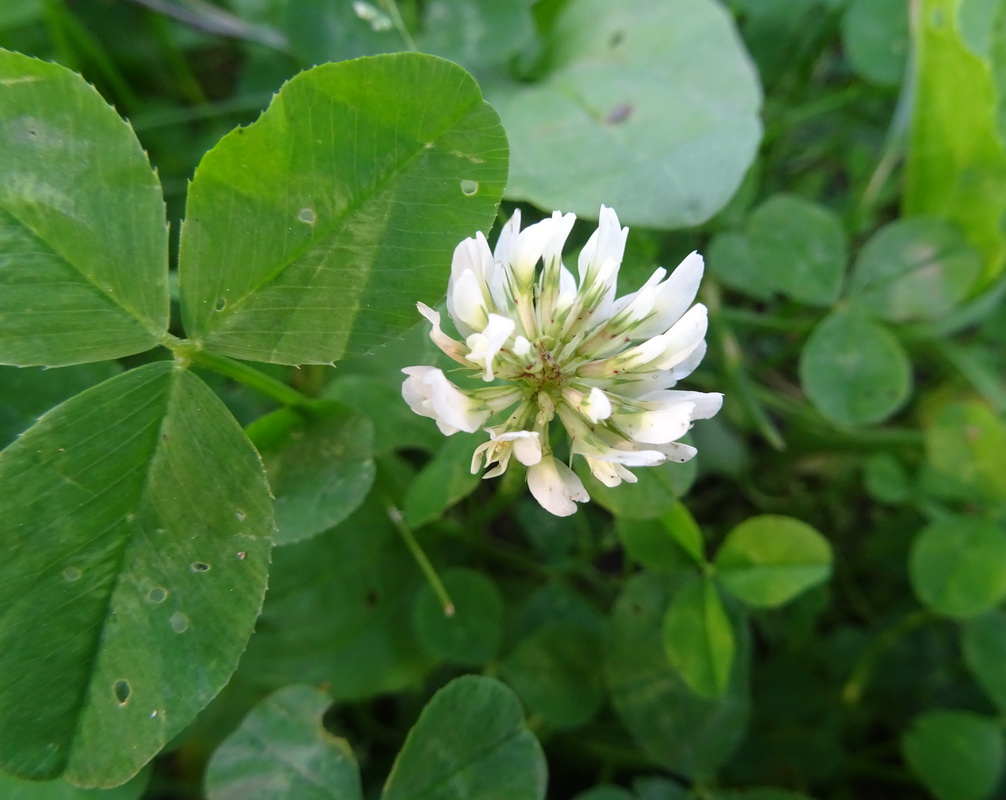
(339, 222)
(128, 541)
(130, 311)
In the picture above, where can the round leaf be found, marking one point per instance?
(698, 637)
(956, 754)
(655, 492)
(472, 635)
(470, 741)
(958, 565)
(965, 443)
(914, 269)
(597, 130)
(854, 371)
(281, 751)
(875, 36)
(137, 523)
(798, 248)
(554, 671)
(83, 243)
(313, 232)
(320, 466)
(768, 560)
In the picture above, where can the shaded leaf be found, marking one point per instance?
(956, 754)
(474, 632)
(281, 750)
(445, 480)
(854, 371)
(676, 728)
(470, 741)
(958, 565)
(319, 463)
(984, 645)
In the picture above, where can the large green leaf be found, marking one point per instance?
(650, 106)
(83, 243)
(965, 443)
(956, 166)
(283, 752)
(769, 559)
(12, 788)
(473, 633)
(675, 727)
(136, 527)
(957, 755)
(313, 232)
(470, 741)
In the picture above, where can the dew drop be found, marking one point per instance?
(72, 574)
(221, 304)
(122, 690)
(307, 215)
(179, 622)
(157, 595)
(469, 188)
(241, 516)
(199, 566)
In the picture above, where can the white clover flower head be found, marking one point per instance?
(558, 346)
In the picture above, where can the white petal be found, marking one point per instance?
(468, 304)
(673, 297)
(608, 241)
(502, 252)
(682, 339)
(526, 446)
(496, 333)
(707, 404)
(597, 406)
(527, 249)
(449, 346)
(430, 394)
(556, 487)
(660, 426)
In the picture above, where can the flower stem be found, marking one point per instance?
(398, 520)
(190, 353)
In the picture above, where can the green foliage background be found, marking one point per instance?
(215, 542)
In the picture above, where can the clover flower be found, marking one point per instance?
(558, 347)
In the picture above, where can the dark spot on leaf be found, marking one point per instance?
(619, 113)
(616, 38)
(122, 691)
(372, 598)
(200, 566)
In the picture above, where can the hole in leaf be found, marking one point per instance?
(468, 188)
(307, 215)
(200, 566)
(72, 574)
(157, 595)
(122, 691)
(221, 304)
(179, 622)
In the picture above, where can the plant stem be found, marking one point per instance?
(424, 563)
(190, 353)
